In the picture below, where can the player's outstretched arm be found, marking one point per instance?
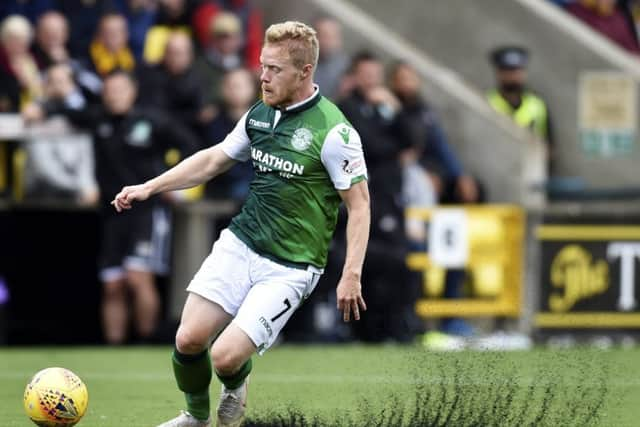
(349, 291)
(192, 171)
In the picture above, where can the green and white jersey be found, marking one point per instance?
(301, 156)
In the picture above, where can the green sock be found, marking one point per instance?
(234, 381)
(193, 375)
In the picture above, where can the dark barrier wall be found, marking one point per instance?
(48, 261)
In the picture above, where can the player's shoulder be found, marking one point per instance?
(339, 131)
(333, 117)
(327, 107)
(257, 116)
(259, 105)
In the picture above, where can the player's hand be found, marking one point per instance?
(128, 195)
(349, 296)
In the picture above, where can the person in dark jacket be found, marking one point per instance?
(391, 290)
(371, 109)
(239, 92)
(50, 47)
(419, 130)
(129, 144)
(174, 86)
(418, 127)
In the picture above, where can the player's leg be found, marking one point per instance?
(146, 301)
(231, 355)
(264, 312)
(216, 292)
(201, 321)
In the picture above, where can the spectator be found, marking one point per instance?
(85, 17)
(19, 82)
(110, 51)
(419, 129)
(632, 8)
(391, 289)
(19, 76)
(141, 16)
(61, 167)
(129, 144)
(50, 47)
(174, 86)
(52, 34)
(371, 108)
(31, 9)
(512, 98)
(332, 62)
(173, 15)
(239, 91)
(250, 21)
(427, 146)
(222, 54)
(606, 17)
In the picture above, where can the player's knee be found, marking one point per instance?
(225, 361)
(188, 342)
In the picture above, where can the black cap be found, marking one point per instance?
(510, 57)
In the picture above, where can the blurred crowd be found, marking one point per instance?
(140, 84)
(618, 20)
(195, 62)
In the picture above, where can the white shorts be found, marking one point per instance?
(259, 293)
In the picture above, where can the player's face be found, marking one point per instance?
(280, 79)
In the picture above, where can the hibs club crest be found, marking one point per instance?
(301, 139)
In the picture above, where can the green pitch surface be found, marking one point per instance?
(354, 386)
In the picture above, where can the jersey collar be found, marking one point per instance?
(305, 103)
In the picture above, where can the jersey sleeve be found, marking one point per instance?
(236, 144)
(343, 158)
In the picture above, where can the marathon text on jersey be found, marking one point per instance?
(275, 162)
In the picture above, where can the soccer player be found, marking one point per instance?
(307, 159)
